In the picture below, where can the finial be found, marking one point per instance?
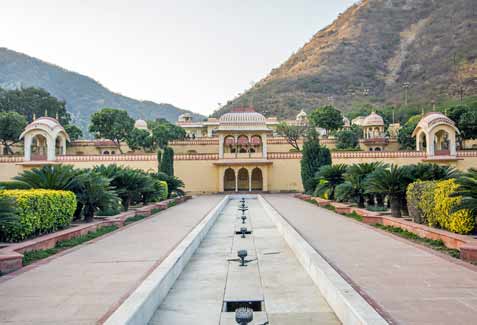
(57, 117)
(46, 113)
(34, 116)
(422, 111)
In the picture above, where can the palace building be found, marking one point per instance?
(240, 151)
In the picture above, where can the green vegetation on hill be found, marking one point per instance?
(366, 56)
(83, 95)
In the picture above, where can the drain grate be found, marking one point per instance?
(247, 232)
(231, 306)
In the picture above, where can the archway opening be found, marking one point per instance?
(229, 180)
(243, 179)
(257, 179)
(39, 147)
(442, 143)
(422, 142)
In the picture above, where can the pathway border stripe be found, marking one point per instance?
(140, 305)
(346, 302)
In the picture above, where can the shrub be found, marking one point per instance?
(164, 190)
(462, 221)
(426, 203)
(344, 192)
(314, 156)
(14, 185)
(414, 196)
(167, 163)
(40, 211)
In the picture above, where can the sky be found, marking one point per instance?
(190, 53)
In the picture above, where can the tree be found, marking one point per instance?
(140, 139)
(12, 125)
(112, 124)
(348, 139)
(328, 178)
(391, 181)
(167, 163)
(73, 131)
(405, 138)
(313, 157)
(94, 192)
(327, 117)
(33, 101)
(163, 131)
(292, 133)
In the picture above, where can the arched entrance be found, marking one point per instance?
(257, 179)
(39, 147)
(441, 143)
(229, 180)
(243, 179)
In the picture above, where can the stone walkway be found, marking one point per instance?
(412, 285)
(84, 285)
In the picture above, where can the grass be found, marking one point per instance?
(434, 244)
(171, 204)
(330, 207)
(312, 202)
(32, 256)
(354, 215)
(156, 210)
(376, 208)
(134, 219)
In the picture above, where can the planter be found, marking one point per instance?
(321, 202)
(341, 208)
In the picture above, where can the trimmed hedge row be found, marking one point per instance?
(432, 203)
(40, 211)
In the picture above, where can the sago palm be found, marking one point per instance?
(468, 190)
(357, 174)
(53, 177)
(391, 181)
(328, 178)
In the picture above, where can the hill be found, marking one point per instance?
(83, 95)
(368, 55)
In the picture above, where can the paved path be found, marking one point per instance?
(411, 284)
(82, 286)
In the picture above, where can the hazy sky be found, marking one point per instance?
(190, 53)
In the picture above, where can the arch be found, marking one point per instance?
(113, 152)
(377, 149)
(243, 150)
(243, 181)
(105, 152)
(421, 141)
(229, 144)
(257, 179)
(442, 143)
(39, 147)
(229, 180)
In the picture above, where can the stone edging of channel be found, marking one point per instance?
(349, 306)
(140, 306)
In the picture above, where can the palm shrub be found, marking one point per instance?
(344, 192)
(391, 181)
(467, 189)
(328, 178)
(8, 216)
(52, 177)
(94, 192)
(174, 184)
(431, 172)
(357, 175)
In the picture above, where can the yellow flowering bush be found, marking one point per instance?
(40, 211)
(461, 222)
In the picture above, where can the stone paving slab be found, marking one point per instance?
(410, 284)
(82, 286)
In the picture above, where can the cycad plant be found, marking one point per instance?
(174, 184)
(94, 192)
(357, 175)
(328, 178)
(391, 181)
(468, 190)
(53, 177)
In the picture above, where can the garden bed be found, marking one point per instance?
(465, 244)
(11, 255)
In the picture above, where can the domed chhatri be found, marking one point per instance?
(141, 124)
(373, 119)
(436, 134)
(243, 119)
(44, 139)
(302, 116)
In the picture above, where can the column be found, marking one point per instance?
(50, 144)
(265, 178)
(452, 144)
(430, 144)
(27, 147)
(221, 179)
(221, 146)
(264, 146)
(249, 180)
(236, 180)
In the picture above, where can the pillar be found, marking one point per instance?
(236, 180)
(221, 146)
(221, 179)
(265, 178)
(430, 144)
(249, 180)
(50, 144)
(27, 147)
(452, 144)
(264, 146)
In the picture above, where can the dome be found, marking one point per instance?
(245, 120)
(346, 122)
(45, 124)
(140, 124)
(373, 119)
(432, 119)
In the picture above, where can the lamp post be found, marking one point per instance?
(406, 86)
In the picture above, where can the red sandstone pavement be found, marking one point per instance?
(85, 284)
(412, 285)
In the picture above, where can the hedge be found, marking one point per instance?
(164, 190)
(14, 185)
(40, 211)
(431, 203)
